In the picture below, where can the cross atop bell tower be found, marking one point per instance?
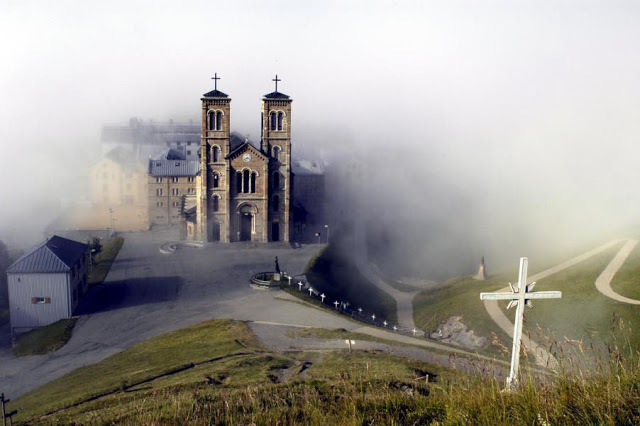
(215, 79)
(276, 80)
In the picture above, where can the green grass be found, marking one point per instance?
(103, 260)
(139, 363)
(626, 282)
(44, 339)
(583, 313)
(331, 273)
(229, 379)
(460, 297)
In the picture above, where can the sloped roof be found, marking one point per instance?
(164, 167)
(54, 255)
(276, 95)
(215, 94)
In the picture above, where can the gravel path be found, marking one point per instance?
(603, 282)
(543, 357)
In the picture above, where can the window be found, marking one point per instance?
(212, 120)
(174, 191)
(176, 204)
(276, 180)
(276, 203)
(276, 153)
(239, 182)
(159, 204)
(189, 143)
(175, 179)
(40, 300)
(245, 181)
(159, 192)
(215, 154)
(253, 182)
(219, 120)
(280, 119)
(216, 203)
(191, 190)
(179, 143)
(158, 164)
(158, 180)
(272, 116)
(191, 179)
(177, 164)
(188, 152)
(216, 180)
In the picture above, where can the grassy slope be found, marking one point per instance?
(103, 260)
(582, 308)
(626, 282)
(334, 388)
(332, 274)
(45, 339)
(583, 311)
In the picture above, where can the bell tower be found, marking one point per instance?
(276, 143)
(213, 197)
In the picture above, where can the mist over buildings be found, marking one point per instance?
(496, 128)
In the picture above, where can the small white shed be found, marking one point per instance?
(46, 283)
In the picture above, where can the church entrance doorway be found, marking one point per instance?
(245, 226)
(215, 232)
(275, 231)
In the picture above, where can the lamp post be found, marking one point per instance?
(327, 227)
(318, 235)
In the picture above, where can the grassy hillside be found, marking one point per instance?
(216, 373)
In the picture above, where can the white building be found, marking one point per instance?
(45, 284)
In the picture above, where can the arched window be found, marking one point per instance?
(219, 120)
(245, 182)
(276, 153)
(215, 154)
(276, 203)
(212, 120)
(280, 117)
(253, 182)
(216, 180)
(276, 180)
(239, 182)
(272, 116)
(216, 203)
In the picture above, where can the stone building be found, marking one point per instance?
(173, 182)
(118, 179)
(245, 190)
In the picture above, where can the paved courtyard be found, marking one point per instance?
(148, 293)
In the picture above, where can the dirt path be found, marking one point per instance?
(543, 357)
(404, 300)
(603, 282)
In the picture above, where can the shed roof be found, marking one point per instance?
(57, 254)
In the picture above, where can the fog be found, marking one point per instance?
(494, 128)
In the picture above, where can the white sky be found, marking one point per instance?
(544, 95)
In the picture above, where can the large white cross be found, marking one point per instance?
(520, 296)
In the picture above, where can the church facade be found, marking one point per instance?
(244, 192)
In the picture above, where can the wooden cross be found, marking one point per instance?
(520, 296)
(215, 79)
(276, 80)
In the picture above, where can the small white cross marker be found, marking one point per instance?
(414, 331)
(373, 317)
(385, 323)
(336, 304)
(322, 296)
(395, 328)
(360, 311)
(300, 285)
(310, 291)
(289, 278)
(520, 296)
